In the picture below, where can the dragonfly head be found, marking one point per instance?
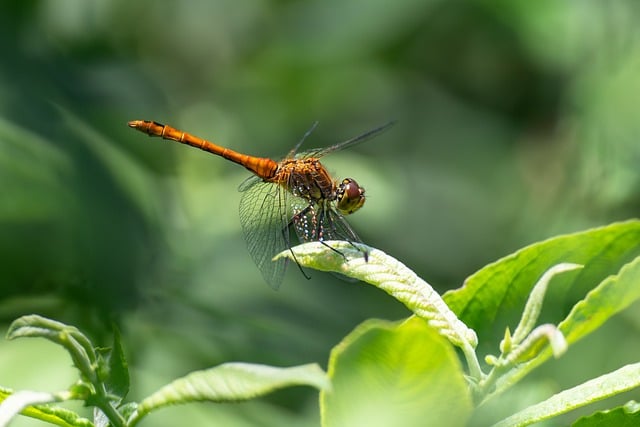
(350, 196)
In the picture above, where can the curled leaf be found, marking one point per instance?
(533, 307)
(396, 279)
(390, 275)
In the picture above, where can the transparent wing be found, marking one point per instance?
(319, 152)
(320, 222)
(247, 183)
(264, 218)
(336, 227)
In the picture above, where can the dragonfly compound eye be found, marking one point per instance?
(350, 196)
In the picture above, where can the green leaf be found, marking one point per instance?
(16, 402)
(77, 344)
(231, 382)
(393, 277)
(385, 374)
(118, 380)
(621, 380)
(388, 274)
(93, 369)
(624, 416)
(493, 298)
(35, 326)
(25, 403)
(533, 307)
(611, 296)
(528, 340)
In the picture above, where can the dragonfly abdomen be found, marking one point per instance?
(263, 167)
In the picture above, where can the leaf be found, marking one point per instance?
(611, 296)
(388, 274)
(624, 416)
(35, 326)
(385, 374)
(231, 382)
(533, 307)
(91, 388)
(77, 344)
(16, 402)
(118, 381)
(25, 403)
(621, 380)
(493, 298)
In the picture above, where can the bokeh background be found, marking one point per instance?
(516, 120)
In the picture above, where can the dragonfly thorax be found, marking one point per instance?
(306, 178)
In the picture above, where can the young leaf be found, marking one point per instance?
(35, 326)
(118, 380)
(621, 380)
(69, 337)
(533, 307)
(83, 355)
(385, 374)
(230, 382)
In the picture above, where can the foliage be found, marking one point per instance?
(516, 121)
(104, 381)
(526, 276)
(404, 373)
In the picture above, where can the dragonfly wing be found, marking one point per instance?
(319, 152)
(320, 221)
(336, 227)
(264, 220)
(248, 183)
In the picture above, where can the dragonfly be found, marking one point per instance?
(296, 193)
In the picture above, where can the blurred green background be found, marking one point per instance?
(517, 120)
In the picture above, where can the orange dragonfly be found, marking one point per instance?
(296, 192)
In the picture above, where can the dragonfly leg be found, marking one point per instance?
(320, 234)
(348, 235)
(285, 236)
